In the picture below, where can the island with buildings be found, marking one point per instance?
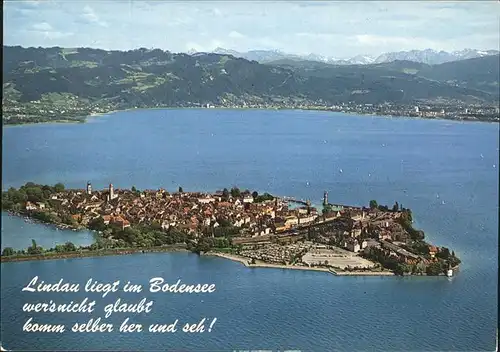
(259, 230)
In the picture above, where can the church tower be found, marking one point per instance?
(325, 198)
(89, 188)
(111, 192)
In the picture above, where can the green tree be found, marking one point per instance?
(97, 224)
(221, 242)
(435, 268)
(59, 248)
(235, 192)
(454, 261)
(204, 245)
(224, 222)
(35, 194)
(373, 204)
(264, 197)
(181, 190)
(58, 187)
(7, 204)
(225, 193)
(156, 226)
(17, 196)
(444, 253)
(34, 249)
(327, 208)
(8, 251)
(395, 207)
(69, 247)
(68, 219)
(133, 189)
(255, 194)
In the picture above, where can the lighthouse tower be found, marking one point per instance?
(449, 272)
(89, 188)
(325, 198)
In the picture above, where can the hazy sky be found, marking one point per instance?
(338, 29)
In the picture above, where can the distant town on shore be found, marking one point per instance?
(256, 229)
(36, 90)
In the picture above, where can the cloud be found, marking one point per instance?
(195, 46)
(236, 35)
(216, 12)
(340, 29)
(33, 4)
(47, 32)
(386, 43)
(43, 26)
(90, 16)
(180, 21)
(375, 40)
(57, 35)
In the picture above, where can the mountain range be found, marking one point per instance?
(428, 56)
(73, 77)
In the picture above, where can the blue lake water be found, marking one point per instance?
(446, 172)
(22, 232)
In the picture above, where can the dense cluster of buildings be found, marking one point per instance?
(71, 108)
(268, 231)
(451, 111)
(192, 212)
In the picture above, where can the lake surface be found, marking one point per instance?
(446, 172)
(22, 232)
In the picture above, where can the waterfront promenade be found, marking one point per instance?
(259, 264)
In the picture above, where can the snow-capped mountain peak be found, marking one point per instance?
(426, 56)
(361, 60)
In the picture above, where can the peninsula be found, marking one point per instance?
(259, 230)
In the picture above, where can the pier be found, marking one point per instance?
(294, 200)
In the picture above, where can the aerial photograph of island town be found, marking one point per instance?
(330, 167)
(258, 230)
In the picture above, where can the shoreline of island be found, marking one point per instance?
(232, 257)
(247, 263)
(174, 249)
(93, 254)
